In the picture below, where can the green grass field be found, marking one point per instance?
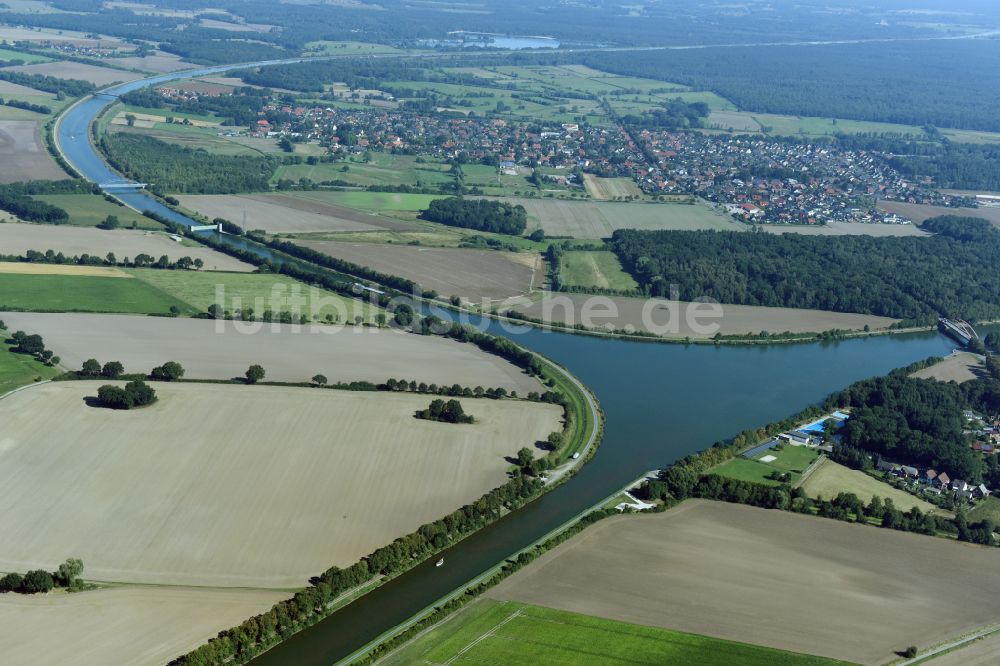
(18, 369)
(792, 460)
(382, 169)
(987, 509)
(495, 632)
(832, 478)
(77, 293)
(89, 210)
(261, 292)
(28, 58)
(594, 268)
(203, 138)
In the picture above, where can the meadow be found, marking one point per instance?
(89, 210)
(594, 268)
(506, 632)
(830, 479)
(791, 460)
(18, 370)
(382, 169)
(199, 138)
(200, 466)
(711, 567)
(261, 292)
(76, 293)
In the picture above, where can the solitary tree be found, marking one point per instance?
(112, 370)
(319, 380)
(524, 456)
(69, 571)
(91, 368)
(254, 373)
(168, 372)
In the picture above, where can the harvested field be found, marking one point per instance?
(846, 229)
(23, 155)
(603, 189)
(65, 69)
(474, 275)
(222, 349)
(74, 241)
(598, 219)
(61, 269)
(287, 214)
(771, 578)
(12, 34)
(8, 88)
(239, 486)
(920, 212)
(158, 62)
(958, 367)
(695, 320)
(983, 652)
(830, 479)
(122, 625)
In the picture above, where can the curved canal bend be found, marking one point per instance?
(661, 402)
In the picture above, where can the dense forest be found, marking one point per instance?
(953, 83)
(920, 422)
(170, 168)
(909, 278)
(480, 214)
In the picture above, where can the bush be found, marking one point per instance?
(36, 581)
(136, 393)
(446, 412)
(168, 372)
(254, 374)
(112, 370)
(11, 582)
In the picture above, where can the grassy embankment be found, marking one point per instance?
(507, 632)
(18, 370)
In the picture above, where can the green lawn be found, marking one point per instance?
(382, 169)
(76, 293)
(19, 369)
(791, 459)
(261, 292)
(89, 210)
(594, 268)
(831, 478)
(495, 632)
(988, 508)
(28, 58)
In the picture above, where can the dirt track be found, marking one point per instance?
(772, 578)
(238, 486)
(346, 354)
(135, 625)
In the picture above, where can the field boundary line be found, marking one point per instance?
(809, 470)
(951, 646)
(25, 387)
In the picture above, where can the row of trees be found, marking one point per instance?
(52, 84)
(908, 278)
(32, 345)
(140, 260)
(40, 581)
(27, 106)
(480, 214)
